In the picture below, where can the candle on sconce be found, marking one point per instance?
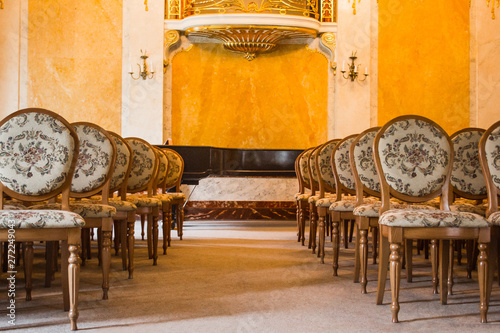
(131, 70)
(366, 70)
(356, 69)
(151, 66)
(142, 68)
(343, 66)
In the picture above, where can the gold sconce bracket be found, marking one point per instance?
(143, 69)
(353, 70)
(328, 41)
(171, 38)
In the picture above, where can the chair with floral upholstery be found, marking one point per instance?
(326, 196)
(301, 191)
(173, 181)
(341, 209)
(468, 189)
(96, 160)
(38, 154)
(166, 200)
(313, 214)
(414, 157)
(302, 197)
(145, 164)
(489, 152)
(124, 220)
(367, 214)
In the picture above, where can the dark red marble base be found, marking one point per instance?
(240, 210)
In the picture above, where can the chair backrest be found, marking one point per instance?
(414, 158)
(297, 172)
(161, 177)
(341, 165)
(96, 161)
(304, 169)
(489, 153)
(363, 165)
(467, 179)
(38, 155)
(324, 167)
(144, 166)
(313, 173)
(175, 170)
(123, 165)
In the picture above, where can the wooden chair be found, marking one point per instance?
(489, 153)
(367, 214)
(326, 196)
(302, 197)
(313, 214)
(468, 189)
(39, 151)
(413, 157)
(173, 181)
(145, 164)
(92, 176)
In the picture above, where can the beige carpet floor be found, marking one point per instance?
(245, 277)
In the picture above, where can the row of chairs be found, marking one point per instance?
(406, 180)
(58, 180)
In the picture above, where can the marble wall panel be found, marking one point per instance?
(423, 61)
(278, 100)
(74, 54)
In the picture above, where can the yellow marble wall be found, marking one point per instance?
(423, 61)
(277, 101)
(74, 59)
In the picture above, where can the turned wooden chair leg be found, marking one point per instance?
(123, 242)
(383, 264)
(297, 214)
(363, 244)
(131, 244)
(346, 234)
(395, 272)
(143, 220)
(321, 245)
(483, 277)
(336, 246)
(99, 246)
(434, 262)
(149, 230)
(107, 228)
(444, 260)
(117, 229)
(28, 267)
(351, 230)
(375, 245)
(450, 270)
(154, 218)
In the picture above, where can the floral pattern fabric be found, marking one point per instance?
(373, 209)
(431, 218)
(325, 163)
(365, 162)
(85, 209)
(144, 201)
(143, 162)
(302, 196)
(494, 218)
(118, 204)
(492, 149)
(326, 202)
(36, 151)
(415, 156)
(480, 210)
(174, 168)
(121, 164)
(303, 163)
(343, 165)
(94, 160)
(31, 219)
(467, 175)
(312, 163)
(346, 205)
(162, 173)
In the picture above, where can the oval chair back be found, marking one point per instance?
(145, 164)
(175, 170)
(324, 167)
(39, 155)
(313, 173)
(162, 170)
(413, 157)
(489, 152)
(467, 179)
(304, 170)
(96, 161)
(363, 165)
(123, 165)
(341, 165)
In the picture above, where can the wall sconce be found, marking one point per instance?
(143, 69)
(353, 69)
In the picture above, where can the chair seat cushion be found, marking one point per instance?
(315, 198)
(120, 205)
(466, 207)
(431, 218)
(494, 218)
(372, 209)
(29, 219)
(347, 205)
(164, 197)
(14, 205)
(144, 201)
(175, 195)
(83, 208)
(302, 196)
